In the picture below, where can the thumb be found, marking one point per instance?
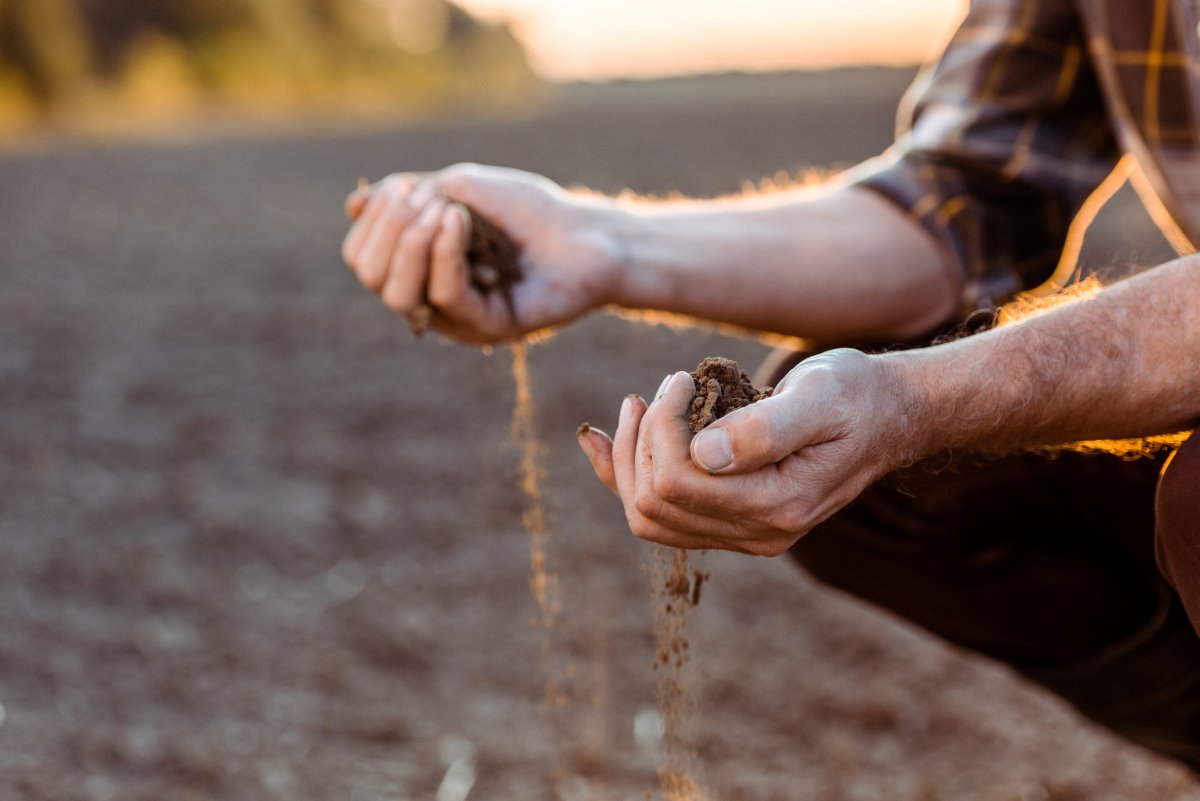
(760, 434)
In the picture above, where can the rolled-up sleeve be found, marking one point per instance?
(999, 144)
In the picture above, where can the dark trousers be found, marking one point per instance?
(1078, 571)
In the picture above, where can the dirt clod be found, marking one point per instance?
(721, 387)
(419, 319)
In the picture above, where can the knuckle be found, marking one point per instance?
(641, 529)
(396, 299)
(398, 180)
(647, 504)
(458, 174)
(373, 279)
(463, 168)
(790, 519)
(374, 283)
(754, 429)
(667, 486)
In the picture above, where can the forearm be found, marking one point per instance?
(1121, 363)
(830, 264)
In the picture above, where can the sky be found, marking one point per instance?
(600, 39)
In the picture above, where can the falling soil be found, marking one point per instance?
(721, 387)
(542, 581)
(676, 593)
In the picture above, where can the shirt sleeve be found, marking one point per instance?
(999, 143)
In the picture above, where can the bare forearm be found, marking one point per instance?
(1121, 363)
(830, 264)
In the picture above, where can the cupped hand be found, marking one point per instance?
(409, 240)
(760, 478)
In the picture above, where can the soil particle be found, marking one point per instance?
(721, 387)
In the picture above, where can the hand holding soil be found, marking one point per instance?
(758, 479)
(484, 255)
(493, 259)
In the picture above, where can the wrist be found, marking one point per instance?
(604, 229)
(914, 433)
(624, 232)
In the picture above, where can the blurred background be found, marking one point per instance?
(104, 65)
(256, 543)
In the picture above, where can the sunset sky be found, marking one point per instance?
(595, 39)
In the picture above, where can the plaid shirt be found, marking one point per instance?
(1027, 112)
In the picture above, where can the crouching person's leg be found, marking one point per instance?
(1177, 529)
(1047, 564)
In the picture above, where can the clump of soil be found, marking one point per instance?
(721, 387)
(494, 257)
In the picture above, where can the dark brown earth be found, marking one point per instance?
(494, 257)
(257, 544)
(721, 387)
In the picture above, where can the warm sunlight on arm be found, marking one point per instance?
(596, 39)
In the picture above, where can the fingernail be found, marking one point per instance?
(626, 408)
(421, 195)
(711, 450)
(663, 386)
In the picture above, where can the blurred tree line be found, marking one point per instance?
(61, 59)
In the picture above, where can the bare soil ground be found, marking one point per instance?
(256, 543)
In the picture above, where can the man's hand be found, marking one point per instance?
(760, 478)
(409, 240)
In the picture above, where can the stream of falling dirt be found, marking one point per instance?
(675, 593)
(542, 581)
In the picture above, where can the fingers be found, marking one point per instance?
(790, 461)
(450, 289)
(375, 256)
(647, 520)
(357, 200)
(597, 446)
(361, 229)
(404, 286)
(408, 244)
(802, 414)
(379, 212)
(624, 450)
